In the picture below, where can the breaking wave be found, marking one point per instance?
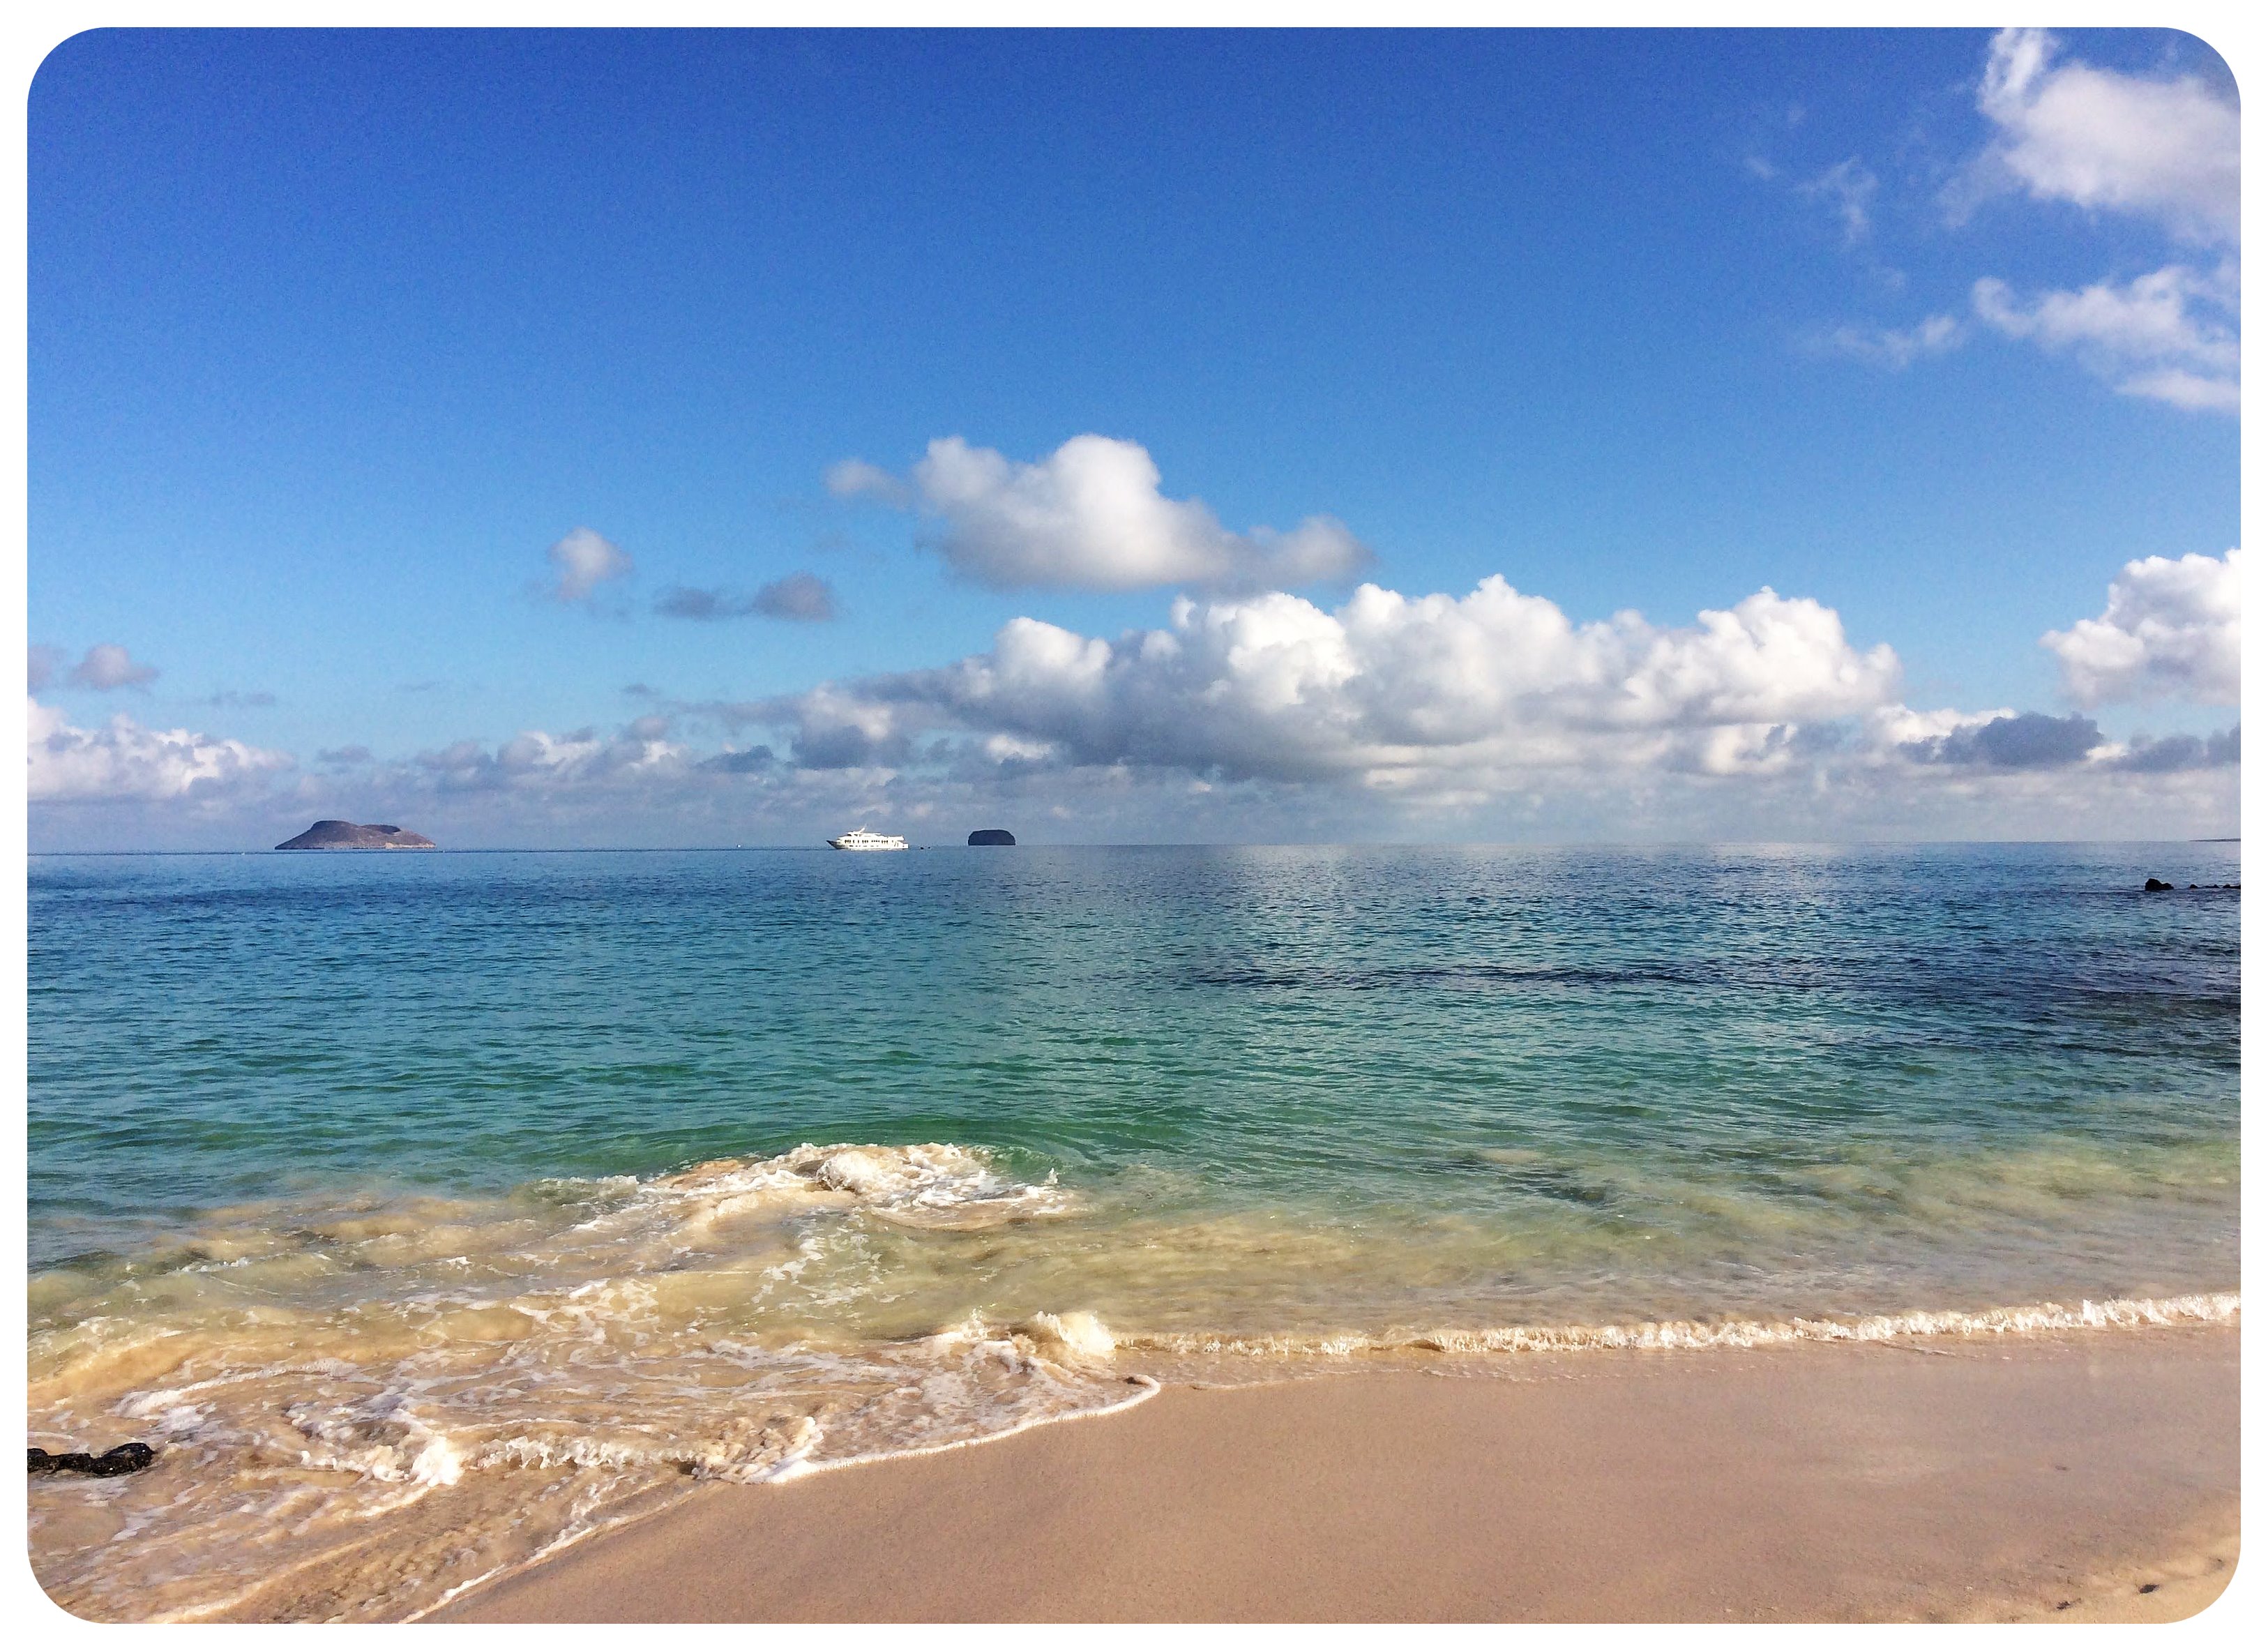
(553, 1361)
(366, 1406)
(2219, 1308)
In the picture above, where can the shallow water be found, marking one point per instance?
(427, 1211)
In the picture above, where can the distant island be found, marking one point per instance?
(991, 840)
(345, 834)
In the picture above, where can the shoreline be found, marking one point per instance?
(2087, 1475)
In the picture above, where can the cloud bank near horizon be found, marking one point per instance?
(1419, 694)
(1388, 715)
(123, 762)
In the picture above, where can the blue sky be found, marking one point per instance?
(334, 335)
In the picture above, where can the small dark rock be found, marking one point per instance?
(2147, 1587)
(994, 839)
(2155, 886)
(131, 1458)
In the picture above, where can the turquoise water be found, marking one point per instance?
(443, 1166)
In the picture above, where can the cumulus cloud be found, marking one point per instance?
(2064, 130)
(541, 761)
(124, 762)
(754, 760)
(1273, 718)
(2010, 742)
(1265, 715)
(799, 596)
(2171, 629)
(2029, 739)
(855, 478)
(2179, 753)
(582, 562)
(1894, 347)
(107, 665)
(835, 727)
(1387, 690)
(1091, 516)
(2169, 335)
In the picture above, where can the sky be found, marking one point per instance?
(583, 439)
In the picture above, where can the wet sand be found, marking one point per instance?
(2091, 1476)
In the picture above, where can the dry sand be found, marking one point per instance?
(2096, 1473)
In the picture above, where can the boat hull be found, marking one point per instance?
(865, 843)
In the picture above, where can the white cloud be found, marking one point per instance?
(107, 665)
(2171, 629)
(2169, 335)
(539, 761)
(125, 761)
(2068, 131)
(1091, 516)
(1896, 348)
(1488, 716)
(1849, 188)
(584, 561)
(1388, 690)
(2181, 388)
(854, 478)
(2161, 147)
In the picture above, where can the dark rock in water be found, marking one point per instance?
(991, 840)
(345, 834)
(112, 1462)
(2153, 886)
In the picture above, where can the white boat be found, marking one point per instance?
(862, 840)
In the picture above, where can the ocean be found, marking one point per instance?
(428, 1211)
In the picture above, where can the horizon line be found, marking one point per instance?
(801, 848)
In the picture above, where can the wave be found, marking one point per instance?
(355, 1400)
(932, 1185)
(365, 1407)
(2125, 1312)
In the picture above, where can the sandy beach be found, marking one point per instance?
(2085, 1476)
